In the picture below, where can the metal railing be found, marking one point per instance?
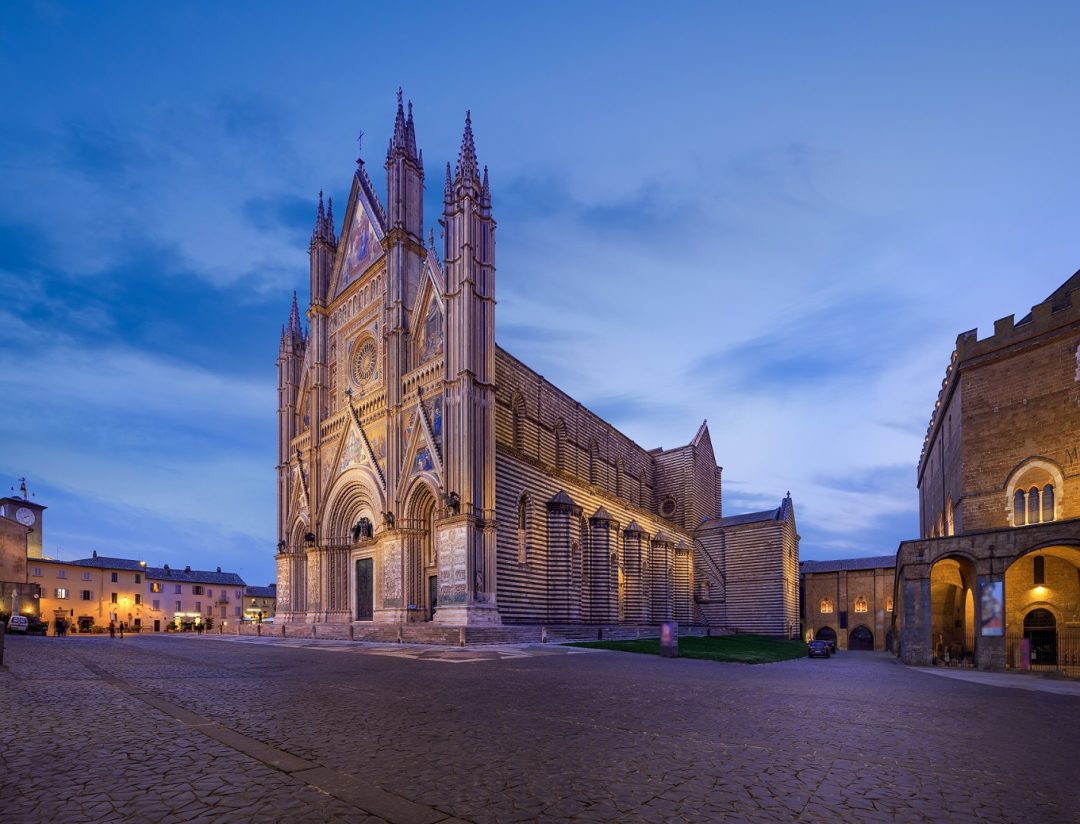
(1044, 650)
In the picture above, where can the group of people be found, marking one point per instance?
(113, 627)
(60, 627)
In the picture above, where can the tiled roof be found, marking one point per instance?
(196, 576)
(848, 564)
(102, 562)
(751, 517)
(261, 592)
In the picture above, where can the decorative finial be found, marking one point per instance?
(359, 153)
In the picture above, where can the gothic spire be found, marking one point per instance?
(485, 191)
(448, 190)
(320, 220)
(467, 155)
(295, 329)
(330, 235)
(410, 133)
(399, 123)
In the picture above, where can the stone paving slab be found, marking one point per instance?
(110, 730)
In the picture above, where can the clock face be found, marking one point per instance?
(365, 361)
(25, 516)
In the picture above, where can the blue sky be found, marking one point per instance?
(774, 216)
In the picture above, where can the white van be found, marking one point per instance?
(18, 623)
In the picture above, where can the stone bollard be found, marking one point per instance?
(282, 630)
(669, 639)
(352, 633)
(312, 630)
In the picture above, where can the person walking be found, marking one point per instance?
(121, 630)
(112, 629)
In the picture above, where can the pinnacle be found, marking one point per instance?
(467, 155)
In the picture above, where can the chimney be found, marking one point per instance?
(166, 568)
(187, 568)
(95, 553)
(219, 569)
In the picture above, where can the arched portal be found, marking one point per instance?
(861, 638)
(421, 563)
(1042, 588)
(1040, 631)
(952, 605)
(826, 634)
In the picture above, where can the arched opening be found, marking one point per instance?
(523, 518)
(1040, 587)
(517, 407)
(826, 634)
(1040, 631)
(952, 581)
(421, 563)
(560, 445)
(594, 463)
(861, 639)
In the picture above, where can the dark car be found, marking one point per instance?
(818, 649)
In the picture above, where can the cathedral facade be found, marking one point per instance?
(427, 475)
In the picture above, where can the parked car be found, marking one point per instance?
(18, 623)
(818, 649)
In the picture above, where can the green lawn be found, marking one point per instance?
(741, 649)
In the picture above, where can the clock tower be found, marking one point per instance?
(28, 513)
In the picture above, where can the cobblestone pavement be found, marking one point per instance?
(169, 729)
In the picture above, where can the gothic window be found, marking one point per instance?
(523, 529)
(860, 604)
(1048, 503)
(1019, 508)
(888, 604)
(825, 606)
(643, 491)
(518, 421)
(619, 477)
(594, 463)
(1033, 505)
(560, 445)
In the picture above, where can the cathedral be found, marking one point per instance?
(427, 475)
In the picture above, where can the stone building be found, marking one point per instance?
(849, 601)
(260, 602)
(20, 538)
(425, 474)
(91, 592)
(993, 579)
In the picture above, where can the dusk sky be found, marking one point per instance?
(774, 216)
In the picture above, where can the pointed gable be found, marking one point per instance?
(361, 235)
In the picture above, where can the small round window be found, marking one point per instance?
(667, 507)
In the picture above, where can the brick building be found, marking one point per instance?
(849, 601)
(425, 474)
(993, 578)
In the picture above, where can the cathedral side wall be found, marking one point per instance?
(761, 597)
(619, 465)
(524, 588)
